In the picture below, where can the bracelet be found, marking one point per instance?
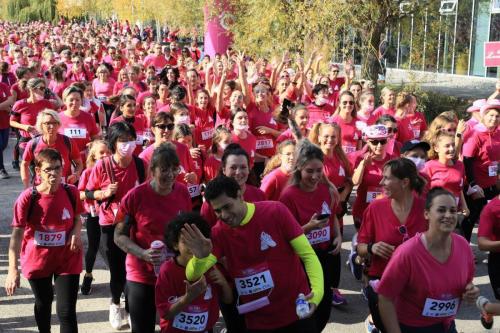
(370, 248)
(458, 135)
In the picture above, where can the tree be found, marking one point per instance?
(26, 10)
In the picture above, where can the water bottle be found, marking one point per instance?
(301, 306)
(159, 246)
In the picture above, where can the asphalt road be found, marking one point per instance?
(16, 312)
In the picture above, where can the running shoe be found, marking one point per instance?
(115, 316)
(356, 269)
(338, 298)
(370, 327)
(4, 174)
(86, 288)
(486, 319)
(15, 165)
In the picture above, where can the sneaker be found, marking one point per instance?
(15, 165)
(486, 319)
(115, 316)
(4, 174)
(86, 288)
(356, 268)
(337, 298)
(370, 327)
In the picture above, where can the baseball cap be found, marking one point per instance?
(412, 144)
(375, 132)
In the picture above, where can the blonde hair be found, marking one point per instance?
(385, 91)
(403, 99)
(432, 154)
(438, 123)
(218, 133)
(46, 112)
(314, 134)
(91, 159)
(275, 161)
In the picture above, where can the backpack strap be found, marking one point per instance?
(108, 168)
(72, 199)
(33, 199)
(139, 166)
(31, 167)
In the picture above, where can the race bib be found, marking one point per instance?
(264, 144)
(349, 149)
(50, 238)
(191, 322)
(76, 133)
(255, 283)
(438, 308)
(102, 98)
(140, 139)
(319, 235)
(194, 190)
(208, 134)
(416, 133)
(373, 193)
(493, 169)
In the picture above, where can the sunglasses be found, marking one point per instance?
(404, 232)
(165, 126)
(377, 142)
(348, 103)
(392, 130)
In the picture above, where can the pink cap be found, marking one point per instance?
(476, 106)
(375, 132)
(491, 104)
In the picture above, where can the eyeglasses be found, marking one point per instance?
(56, 169)
(165, 126)
(347, 102)
(335, 71)
(261, 91)
(171, 171)
(50, 123)
(377, 142)
(40, 88)
(404, 232)
(392, 130)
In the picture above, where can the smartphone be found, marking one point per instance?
(322, 216)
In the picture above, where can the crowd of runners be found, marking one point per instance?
(220, 184)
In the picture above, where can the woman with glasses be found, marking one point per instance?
(46, 237)
(393, 146)
(78, 71)
(345, 117)
(163, 127)
(25, 111)
(139, 222)
(110, 180)
(428, 276)
(390, 221)
(368, 165)
(48, 124)
(75, 124)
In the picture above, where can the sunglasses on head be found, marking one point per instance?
(392, 130)
(347, 102)
(376, 142)
(165, 126)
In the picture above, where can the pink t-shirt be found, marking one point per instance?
(380, 224)
(251, 194)
(127, 178)
(148, 222)
(211, 168)
(381, 110)
(249, 144)
(418, 284)
(265, 143)
(303, 205)
(450, 177)
(484, 147)
(103, 89)
(80, 129)
(350, 134)
(319, 113)
(412, 126)
(52, 218)
(204, 125)
(67, 155)
(25, 113)
(489, 222)
(140, 124)
(273, 184)
(336, 171)
(245, 256)
(171, 285)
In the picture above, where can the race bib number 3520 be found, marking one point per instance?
(191, 322)
(440, 308)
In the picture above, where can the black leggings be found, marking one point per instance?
(116, 261)
(437, 328)
(66, 288)
(337, 266)
(142, 307)
(494, 272)
(475, 207)
(322, 313)
(307, 325)
(94, 238)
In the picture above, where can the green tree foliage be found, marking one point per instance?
(30, 10)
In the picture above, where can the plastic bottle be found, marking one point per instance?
(301, 306)
(159, 245)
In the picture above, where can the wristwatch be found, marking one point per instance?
(369, 248)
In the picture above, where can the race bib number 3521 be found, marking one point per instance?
(191, 322)
(440, 308)
(254, 283)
